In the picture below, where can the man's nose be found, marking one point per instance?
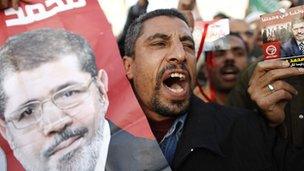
(177, 53)
(54, 119)
(229, 55)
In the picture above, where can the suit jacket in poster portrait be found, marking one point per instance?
(290, 48)
(130, 153)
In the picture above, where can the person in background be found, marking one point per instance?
(220, 15)
(134, 12)
(222, 67)
(254, 22)
(242, 28)
(12, 3)
(187, 7)
(191, 6)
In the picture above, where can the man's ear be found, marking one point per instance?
(3, 128)
(103, 77)
(128, 64)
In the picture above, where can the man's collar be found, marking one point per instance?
(177, 126)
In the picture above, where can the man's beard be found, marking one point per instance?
(173, 108)
(83, 158)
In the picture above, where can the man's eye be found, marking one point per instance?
(70, 93)
(159, 44)
(26, 113)
(189, 46)
(239, 52)
(220, 53)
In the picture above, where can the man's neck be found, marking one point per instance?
(160, 128)
(159, 124)
(220, 96)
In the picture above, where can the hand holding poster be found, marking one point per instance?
(54, 99)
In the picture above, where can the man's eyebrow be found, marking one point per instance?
(54, 90)
(158, 36)
(238, 48)
(187, 38)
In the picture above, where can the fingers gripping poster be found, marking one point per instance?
(65, 103)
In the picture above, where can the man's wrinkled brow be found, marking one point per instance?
(158, 36)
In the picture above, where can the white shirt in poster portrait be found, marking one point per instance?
(103, 152)
(2, 160)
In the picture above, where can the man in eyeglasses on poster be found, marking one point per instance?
(294, 46)
(53, 102)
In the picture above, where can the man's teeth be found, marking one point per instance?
(178, 75)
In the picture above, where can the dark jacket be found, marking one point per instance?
(290, 48)
(221, 138)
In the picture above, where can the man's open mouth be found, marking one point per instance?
(229, 73)
(176, 83)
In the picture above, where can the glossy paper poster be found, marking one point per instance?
(283, 35)
(59, 112)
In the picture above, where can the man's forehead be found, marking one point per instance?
(226, 43)
(167, 25)
(301, 24)
(238, 25)
(235, 41)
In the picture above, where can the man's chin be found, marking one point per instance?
(171, 109)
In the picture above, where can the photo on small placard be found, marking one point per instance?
(283, 35)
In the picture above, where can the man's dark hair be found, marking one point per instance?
(220, 15)
(30, 50)
(135, 29)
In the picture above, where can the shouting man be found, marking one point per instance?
(160, 63)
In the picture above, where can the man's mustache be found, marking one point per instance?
(172, 67)
(62, 136)
(229, 67)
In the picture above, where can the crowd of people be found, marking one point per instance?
(246, 114)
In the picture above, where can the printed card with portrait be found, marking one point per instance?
(283, 35)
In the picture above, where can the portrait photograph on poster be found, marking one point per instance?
(283, 35)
